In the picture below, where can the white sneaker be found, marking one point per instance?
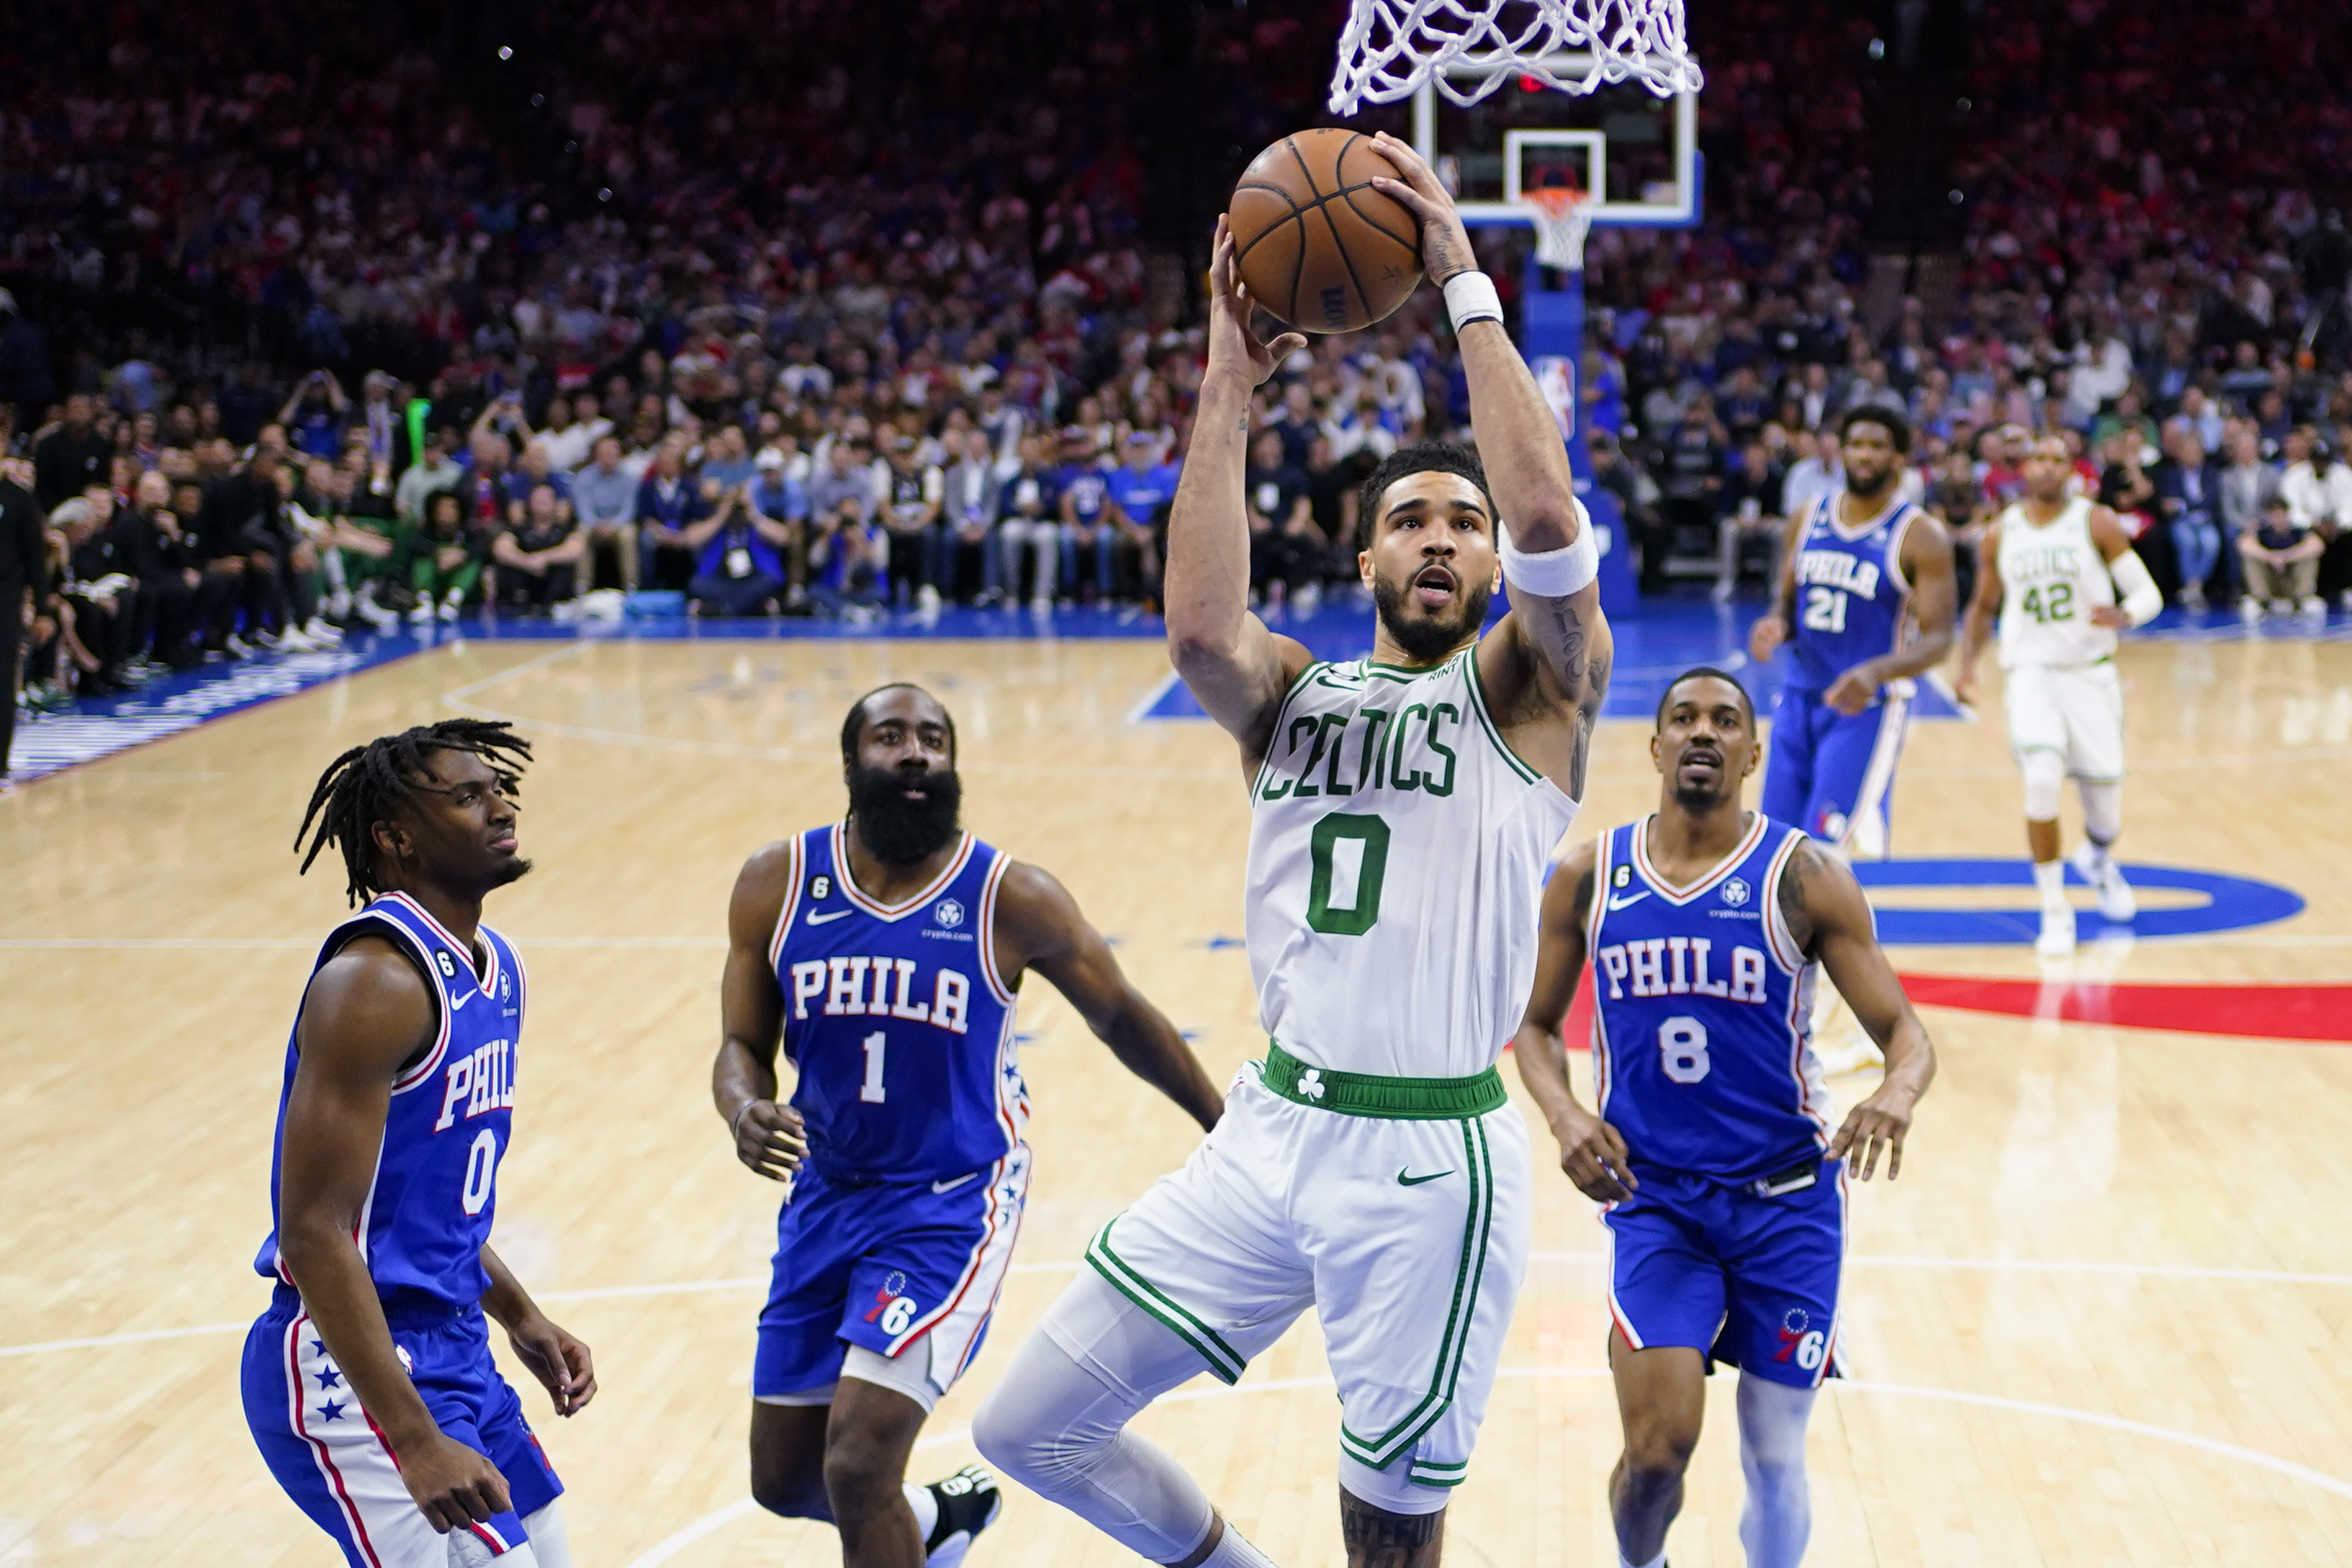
(423, 614)
(237, 647)
(2250, 610)
(926, 600)
(323, 632)
(1041, 606)
(2118, 904)
(376, 615)
(2192, 598)
(2315, 608)
(265, 640)
(294, 639)
(565, 612)
(338, 603)
(2057, 938)
(448, 611)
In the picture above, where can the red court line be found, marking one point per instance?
(2248, 1011)
(2251, 1011)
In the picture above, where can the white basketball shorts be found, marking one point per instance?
(2077, 714)
(1409, 1237)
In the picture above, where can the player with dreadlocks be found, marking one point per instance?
(369, 1384)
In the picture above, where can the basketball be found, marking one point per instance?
(1317, 244)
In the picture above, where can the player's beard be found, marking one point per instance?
(1428, 639)
(510, 870)
(1874, 491)
(899, 831)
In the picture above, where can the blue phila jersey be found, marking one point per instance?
(1702, 1018)
(429, 1210)
(1851, 596)
(896, 1019)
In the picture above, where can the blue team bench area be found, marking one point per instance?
(1659, 639)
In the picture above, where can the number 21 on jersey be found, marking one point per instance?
(1824, 609)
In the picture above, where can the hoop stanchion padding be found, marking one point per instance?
(1389, 47)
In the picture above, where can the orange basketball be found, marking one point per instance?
(1317, 244)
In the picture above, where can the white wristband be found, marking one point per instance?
(1554, 573)
(1471, 297)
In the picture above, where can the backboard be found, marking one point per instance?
(1638, 153)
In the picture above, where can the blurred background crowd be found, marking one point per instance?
(347, 317)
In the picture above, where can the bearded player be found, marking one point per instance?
(885, 952)
(1404, 807)
(1705, 925)
(2053, 561)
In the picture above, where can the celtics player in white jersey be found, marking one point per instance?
(2053, 563)
(1405, 807)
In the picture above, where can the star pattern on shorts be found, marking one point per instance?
(332, 1411)
(328, 1379)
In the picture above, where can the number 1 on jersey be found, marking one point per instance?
(870, 1092)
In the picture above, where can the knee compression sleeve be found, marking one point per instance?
(2103, 811)
(1058, 1422)
(2045, 781)
(1779, 1515)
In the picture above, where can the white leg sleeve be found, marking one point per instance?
(2045, 781)
(2103, 811)
(549, 1542)
(1778, 1517)
(1058, 1422)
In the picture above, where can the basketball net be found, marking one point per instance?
(1389, 47)
(1563, 216)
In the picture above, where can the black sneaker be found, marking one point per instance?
(969, 1503)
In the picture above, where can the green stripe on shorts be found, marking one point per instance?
(1469, 1272)
(1225, 1361)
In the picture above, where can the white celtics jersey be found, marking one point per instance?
(2051, 577)
(1396, 868)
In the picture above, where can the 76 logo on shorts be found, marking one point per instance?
(893, 1310)
(1798, 1343)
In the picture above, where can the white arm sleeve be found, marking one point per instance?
(2141, 600)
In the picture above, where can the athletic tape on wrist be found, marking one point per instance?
(1554, 573)
(1471, 297)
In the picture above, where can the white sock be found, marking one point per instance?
(927, 1509)
(1235, 1551)
(1657, 1562)
(2050, 882)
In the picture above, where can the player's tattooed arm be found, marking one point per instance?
(1039, 926)
(1837, 931)
(1546, 673)
(1592, 1153)
(1375, 1538)
(368, 1013)
(768, 1135)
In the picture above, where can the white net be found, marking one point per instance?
(1562, 218)
(1388, 47)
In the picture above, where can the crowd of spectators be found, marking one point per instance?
(849, 310)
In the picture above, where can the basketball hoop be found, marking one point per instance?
(1389, 47)
(1563, 216)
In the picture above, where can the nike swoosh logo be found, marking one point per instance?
(1405, 1181)
(1618, 902)
(459, 1005)
(950, 1186)
(817, 920)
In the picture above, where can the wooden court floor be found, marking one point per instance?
(2102, 1319)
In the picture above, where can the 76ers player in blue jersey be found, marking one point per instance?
(1710, 1146)
(885, 952)
(1860, 566)
(368, 1384)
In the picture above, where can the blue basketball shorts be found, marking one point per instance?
(1744, 1279)
(334, 1462)
(1832, 773)
(903, 1268)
